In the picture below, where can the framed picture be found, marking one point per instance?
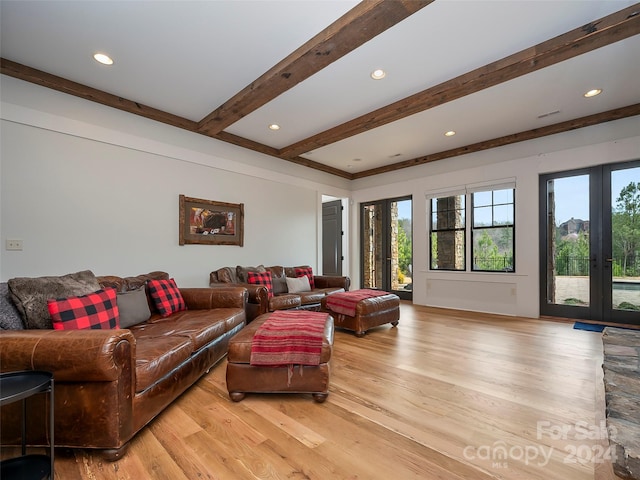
(207, 222)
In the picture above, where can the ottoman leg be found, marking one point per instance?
(360, 334)
(236, 396)
(320, 397)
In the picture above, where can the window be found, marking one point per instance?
(448, 233)
(491, 229)
(492, 232)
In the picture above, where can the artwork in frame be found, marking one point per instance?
(206, 222)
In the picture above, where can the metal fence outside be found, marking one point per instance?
(579, 266)
(494, 264)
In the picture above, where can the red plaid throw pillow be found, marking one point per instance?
(308, 271)
(97, 310)
(261, 278)
(166, 296)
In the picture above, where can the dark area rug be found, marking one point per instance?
(590, 327)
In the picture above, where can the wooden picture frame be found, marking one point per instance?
(206, 222)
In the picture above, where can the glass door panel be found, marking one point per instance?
(568, 265)
(387, 246)
(372, 251)
(590, 243)
(624, 263)
(401, 248)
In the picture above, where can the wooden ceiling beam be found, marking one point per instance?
(615, 27)
(261, 148)
(607, 30)
(589, 120)
(32, 75)
(23, 72)
(362, 23)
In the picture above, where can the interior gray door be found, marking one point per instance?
(332, 238)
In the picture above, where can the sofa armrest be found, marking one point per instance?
(202, 298)
(325, 281)
(71, 355)
(257, 294)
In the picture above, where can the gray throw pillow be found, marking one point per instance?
(30, 295)
(279, 284)
(133, 308)
(10, 318)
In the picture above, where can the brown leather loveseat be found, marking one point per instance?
(109, 384)
(260, 302)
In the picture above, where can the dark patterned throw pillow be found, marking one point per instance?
(261, 278)
(98, 310)
(166, 296)
(308, 272)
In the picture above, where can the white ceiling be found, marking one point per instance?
(189, 57)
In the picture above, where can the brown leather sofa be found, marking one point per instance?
(259, 301)
(109, 384)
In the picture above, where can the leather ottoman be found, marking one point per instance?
(369, 312)
(242, 377)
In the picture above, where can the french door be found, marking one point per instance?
(386, 246)
(590, 243)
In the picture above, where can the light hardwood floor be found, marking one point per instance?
(445, 395)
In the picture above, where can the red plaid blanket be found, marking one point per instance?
(345, 302)
(288, 338)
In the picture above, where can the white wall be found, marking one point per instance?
(88, 187)
(504, 293)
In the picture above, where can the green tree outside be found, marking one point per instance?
(404, 246)
(572, 255)
(626, 231)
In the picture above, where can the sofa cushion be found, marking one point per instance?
(133, 307)
(297, 285)
(10, 318)
(166, 296)
(241, 272)
(158, 354)
(312, 297)
(98, 311)
(30, 295)
(261, 278)
(200, 326)
(305, 270)
(284, 301)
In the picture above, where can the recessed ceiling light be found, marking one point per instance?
(103, 59)
(378, 74)
(450, 133)
(274, 126)
(593, 93)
